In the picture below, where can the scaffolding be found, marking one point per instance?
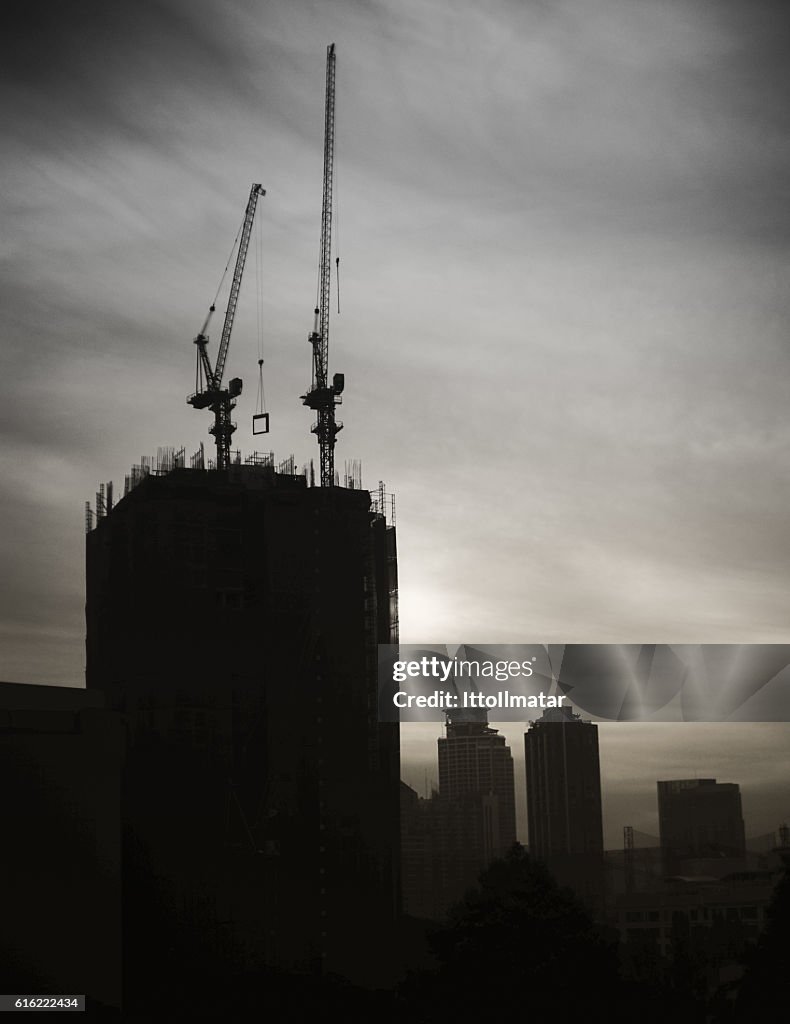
(383, 503)
(352, 475)
(169, 460)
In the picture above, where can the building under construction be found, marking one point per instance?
(233, 618)
(233, 612)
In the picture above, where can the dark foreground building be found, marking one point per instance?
(564, 812)
(60, 856)
(233, 618)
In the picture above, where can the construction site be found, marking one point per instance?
(234, 604)
(560, 242)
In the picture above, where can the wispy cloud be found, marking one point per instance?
(563, 235)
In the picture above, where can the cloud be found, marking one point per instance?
(563, 244)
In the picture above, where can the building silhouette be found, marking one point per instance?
(423, 855)
(449, 838)
(701, 826)
(60, 928)
(232, 619)
(708, 913)
(564, 812)
(476, 768)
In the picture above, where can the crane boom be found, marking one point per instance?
(323, 396)
(325, 253)
(233, 298)
(209, 392)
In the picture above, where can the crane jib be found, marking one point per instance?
(213, 396)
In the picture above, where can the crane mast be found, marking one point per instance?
(209, 392)
(322, 396)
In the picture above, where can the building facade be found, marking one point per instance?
(476, 765)
(564, 811)
(701, 826)
(232, 619)
(711, 923)
(449, 838)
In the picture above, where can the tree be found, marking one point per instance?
(766, 980)
(518, 941)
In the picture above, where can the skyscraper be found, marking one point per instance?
(700, 820)
(447, 840)
(564, 800)
(476, 767)
(233, 618)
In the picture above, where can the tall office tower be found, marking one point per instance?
(700, 820)
(474, 760)
(475, 812)
(233, 617)
(564, 800)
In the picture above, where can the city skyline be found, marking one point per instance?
(753, 755)
(557, 287)
(563, 238)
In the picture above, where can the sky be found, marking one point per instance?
(563, 229)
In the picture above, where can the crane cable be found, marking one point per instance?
(212, 308)
(260, 405)
(227, 265)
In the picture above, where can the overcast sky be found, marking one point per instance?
(563, 233)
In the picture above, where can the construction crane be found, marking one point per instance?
(323, 396)
(209, 392)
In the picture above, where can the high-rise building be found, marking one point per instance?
(233, 618)
(476, 766)
(564, 812)
(448, 839)
(700, 820)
